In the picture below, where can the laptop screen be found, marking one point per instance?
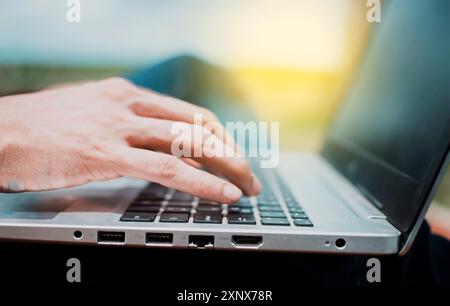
(392, 134)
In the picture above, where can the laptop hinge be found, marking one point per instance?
(359, 200)
(373, 201)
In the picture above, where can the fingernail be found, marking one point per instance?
(231, 192)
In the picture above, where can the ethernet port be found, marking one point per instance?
(201, 242)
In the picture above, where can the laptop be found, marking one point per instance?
(367, 191)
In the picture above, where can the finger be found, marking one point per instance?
(192, 162)
(151, 104)
(172, 172)
(210, 151)
(154, 105)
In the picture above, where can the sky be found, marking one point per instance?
(307, 34)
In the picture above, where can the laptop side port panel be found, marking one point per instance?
(243, 241)
(201, 241)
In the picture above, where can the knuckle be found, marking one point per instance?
(167, 167)
(113, 118)
(203, 187)
(208, 115)
(120, 89)
(94, 151)
(241, 167)
(133, 104)
(117, 161)
(118, 81)
(136, 104)
(116, 158)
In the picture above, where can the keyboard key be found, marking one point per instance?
(268, 197)
(138, 217)
(266, 208)
(154, 191)
(271, 214)
(276, 204)
(144, 208)
(293, 205)
(177, 209)
(241, 219)
(239, 210)
(180, 203)
(243, 205)
(244, 200)
(181, 196)
(155, 187)
(296, 210)
(261, 199)
(151, 197)
(174, 217)
(267, 193)
(274, 221)
(299, 215)
(209, 208)
(268, 204)
(303, 222)
(206, 217)
(206, 202)
(289, 199)
(147, 202)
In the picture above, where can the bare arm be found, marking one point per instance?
(106, 129)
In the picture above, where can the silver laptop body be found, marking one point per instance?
(358, 201)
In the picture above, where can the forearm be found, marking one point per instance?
(9, 132)
(4, 139)
(102, 130)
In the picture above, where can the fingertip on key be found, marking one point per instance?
(231, 193)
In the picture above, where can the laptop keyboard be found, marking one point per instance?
(157, 203)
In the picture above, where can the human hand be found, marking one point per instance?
(102, 130)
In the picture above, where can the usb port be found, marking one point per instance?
(158, 238)
(111, 237)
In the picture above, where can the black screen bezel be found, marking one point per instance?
(358, 169)
(364, 171)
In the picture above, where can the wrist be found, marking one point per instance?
(8, 123)
(6, 138)
(4, 133)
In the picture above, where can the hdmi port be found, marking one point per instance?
(246, 240)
